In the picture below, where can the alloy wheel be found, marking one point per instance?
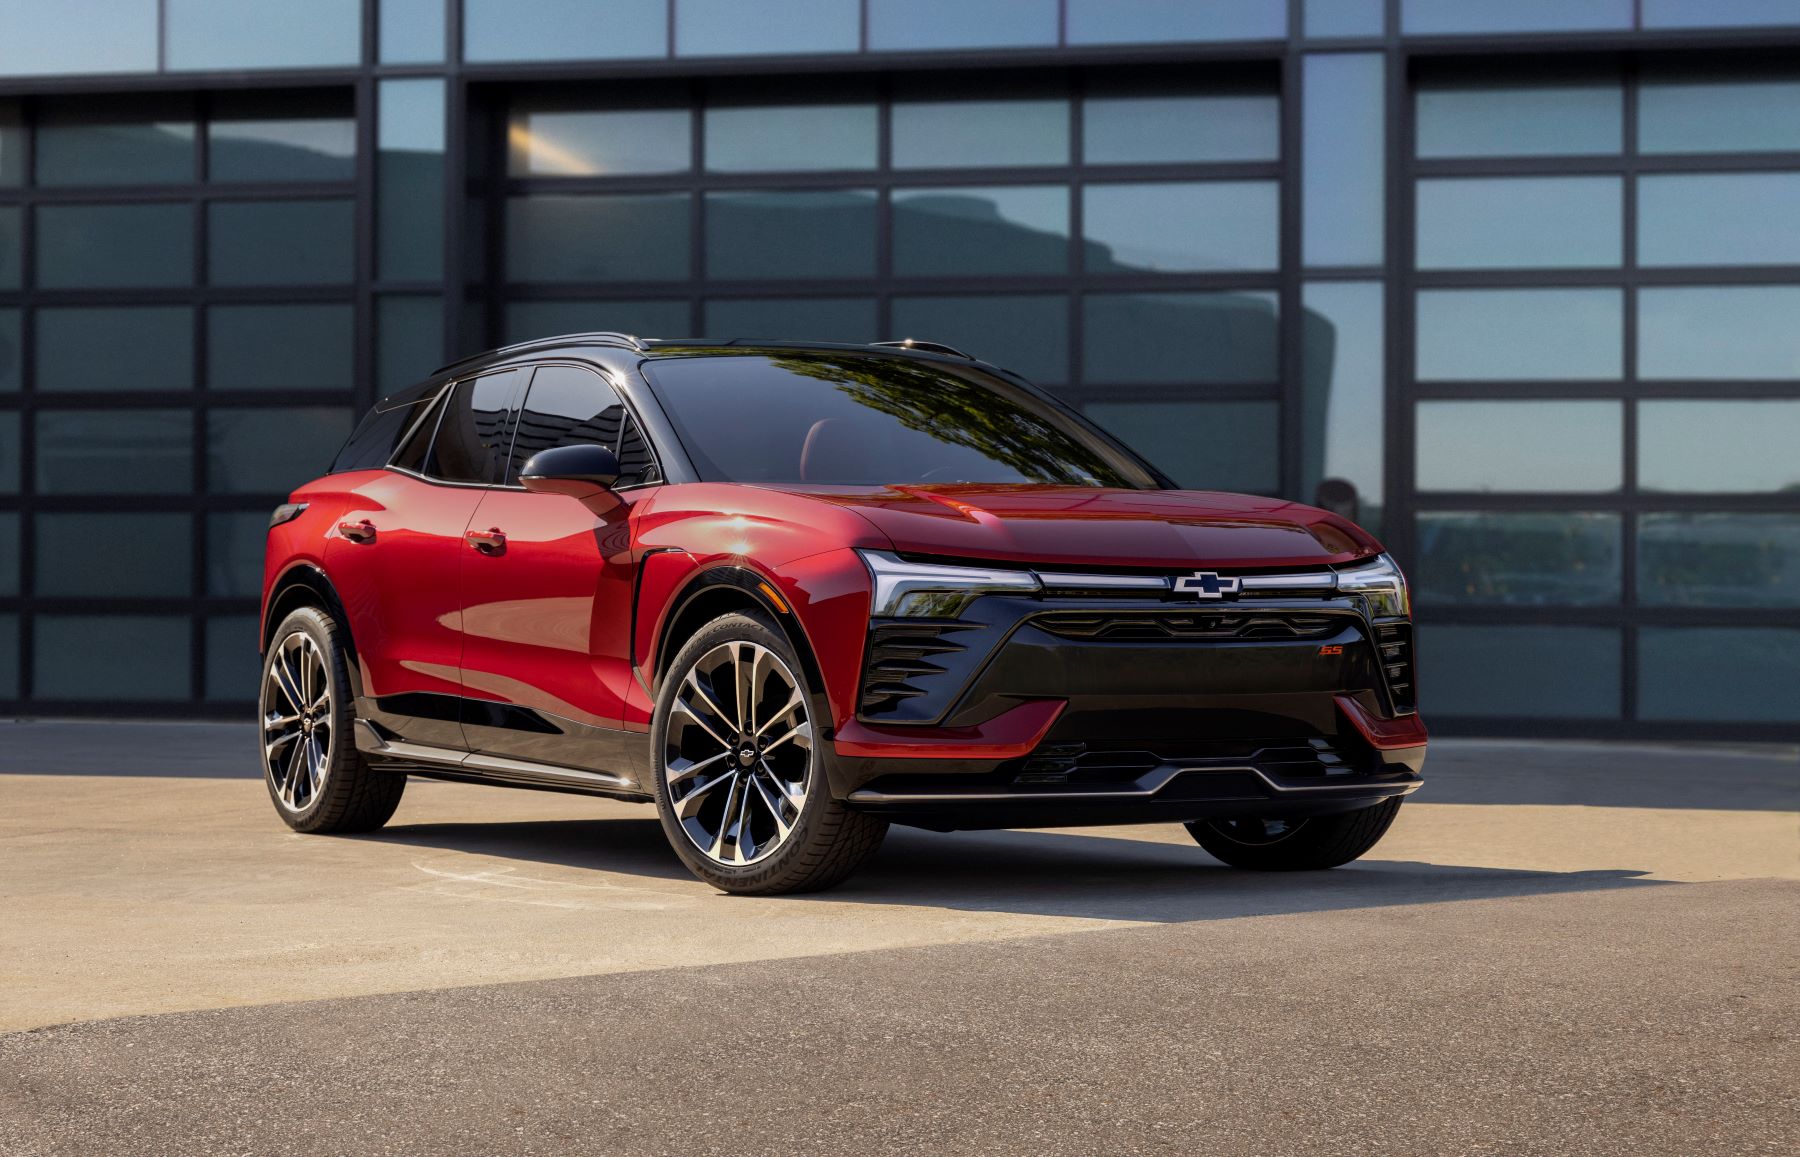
(297, 715)
(738, 755)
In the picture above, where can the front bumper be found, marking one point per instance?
(1028, 714)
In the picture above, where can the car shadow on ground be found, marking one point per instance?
(1032, 872)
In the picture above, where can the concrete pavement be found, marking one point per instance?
(1557, 946)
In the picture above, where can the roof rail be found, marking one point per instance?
(597, 337)
(930, 347)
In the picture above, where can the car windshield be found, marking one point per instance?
(854, 419)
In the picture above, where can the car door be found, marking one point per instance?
(396, 554)
(547, 585)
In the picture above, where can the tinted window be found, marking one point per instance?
(473, 435)
(856, 420)
(417, 438)
(568, 406)
(375, 438)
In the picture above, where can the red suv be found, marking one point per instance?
(794, 592)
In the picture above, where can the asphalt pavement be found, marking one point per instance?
(1559, 948)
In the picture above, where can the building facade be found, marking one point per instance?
(1515, 282)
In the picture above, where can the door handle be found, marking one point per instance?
(363, 531)
(489, 541)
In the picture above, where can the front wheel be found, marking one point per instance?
(740, 780)
(1298, 844)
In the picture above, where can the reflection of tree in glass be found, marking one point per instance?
(962, 413)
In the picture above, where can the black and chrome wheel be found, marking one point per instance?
(1295, 844)
(316, 777)
(740, 779)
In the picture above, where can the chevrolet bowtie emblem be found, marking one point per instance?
(1204, 584)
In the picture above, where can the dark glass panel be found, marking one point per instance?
(271, 451)
(1028, 334)
(1342, 377)
(235, 543)
(86, 246)
(1344, 146)
(1444, 17)
(1179, 337)
(373, 443)
(553, 141)
(1737, 674)
(11, 246)
(476, 430)
(1156, 128)
(148, 140)
(279, 347)
(80, 451)
(111, 36)
(411, 31)
(12, 144)
(232, 34)
(777, 235)
(1719, 447)
(928, 134)
(981, 231)
(136, 347)
(849, 319)
(531, 319)
(9, 556)
(1517, 559)
(1520, 447)
(564, 29)
(409, 175)
(614, 237)
(926, 24)
(1718, 13)
(1475, 335)
(11, 469)
(1520, 222)
(282, 137)
(773, 27)
(798, 138)
(232, 663)
(9, 656)
(11, 352)
(1684, 110)
(1180, 227)
(859, 419)
(279, 242)
(1201, 445)
(1147, 21)
(1537, 115)
(147, 657)
(1719, 219)
(1719, 559)
(1728, 332)
(114, 555)
(1345, 17)
(1559, 672)
(409, 340)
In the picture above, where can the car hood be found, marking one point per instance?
(1078, 527)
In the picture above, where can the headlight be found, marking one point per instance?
(1382, 587)
(921, 590)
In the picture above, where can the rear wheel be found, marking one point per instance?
(1277, 844)
(740, 779)
(317, 779)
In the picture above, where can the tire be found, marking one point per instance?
(316, 778)
(1306, 845)
(747, 805)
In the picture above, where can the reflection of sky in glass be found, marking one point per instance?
(979, 133)
(1155, 130)
(1719, 447)
(1520, 222)
(579, 143)
(1183, 227)
(1521, 447)
(1730, 332)
(1719, 219)
(1477, 335)
(1343, 387)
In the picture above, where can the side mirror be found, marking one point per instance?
(583, 471)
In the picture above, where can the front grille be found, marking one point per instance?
(900, 652)
(1186, 625)
(1395, 642)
